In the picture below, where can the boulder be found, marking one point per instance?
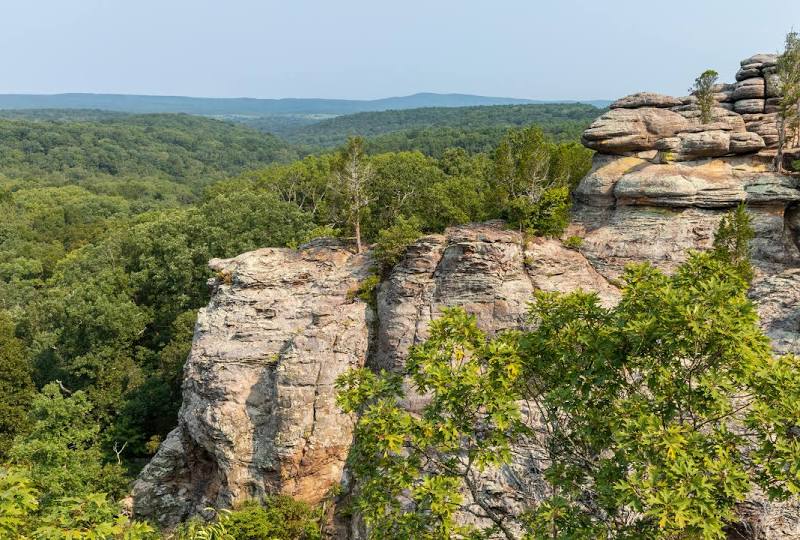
(773, 85)
(748, 89)
(765, 125)
(749, 106)
(597, 187)
(706, 143)
(623, 130)
(749, 70)
(761, 59)
(721, 119)
(645, 99)
(678, 186)
(745, 143)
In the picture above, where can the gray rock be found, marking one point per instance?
(764, 59)
(645, 99)
(749, 106)
(749, 89)
(749, 70)
(773, 85)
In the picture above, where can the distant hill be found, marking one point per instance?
(248, 106)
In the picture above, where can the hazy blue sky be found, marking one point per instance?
(557, 49)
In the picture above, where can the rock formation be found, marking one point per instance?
(258, 414)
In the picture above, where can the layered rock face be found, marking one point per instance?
(259, 415)
(744, 120)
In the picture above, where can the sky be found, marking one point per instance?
(366, 49)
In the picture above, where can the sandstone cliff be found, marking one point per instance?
(258, 414)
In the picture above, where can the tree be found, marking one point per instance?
(532, 179)
(354, 173)
(648, 422)
(703, 89)
(788, 71)
(61, 450)
(16, 386)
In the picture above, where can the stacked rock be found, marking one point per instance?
(666, 128)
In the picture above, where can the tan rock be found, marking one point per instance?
(631, 130)
(645, 99)
(259, 413)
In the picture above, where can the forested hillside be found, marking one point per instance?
(60, 147)
(142, 104)
(433, 129)
(109, 221)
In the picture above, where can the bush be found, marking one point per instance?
(278, 518)
(392, 242)
(548, 216)
(366, 290)
(573, 242)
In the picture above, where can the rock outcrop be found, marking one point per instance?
(258, 414)
(744, 121)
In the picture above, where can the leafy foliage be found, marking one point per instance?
(178, 147)
(703, 90)
(788, 72)
(434, 129)
(650, 423)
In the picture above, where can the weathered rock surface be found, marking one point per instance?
(645, 99)
(749, 89)
(631, 130)
(489, 271)
(259, 413)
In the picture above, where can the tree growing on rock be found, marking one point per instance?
(703, 90)
(354, 174)
(788, 71)
(642, 422)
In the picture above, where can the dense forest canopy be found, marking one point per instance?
(177, 147)
(433, 129)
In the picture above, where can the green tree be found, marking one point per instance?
(61, 449)
(788, 71)
(17, 502)
(392, 242)
(16, 385)
(703, 90)
(277, 518)
(354, 173)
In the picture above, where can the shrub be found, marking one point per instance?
(392, 242)
(548, 216)
(366, 290)
(278, 518)
(573, 242)
(703, 89)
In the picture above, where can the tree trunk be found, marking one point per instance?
(778, 163)
(358, 235)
